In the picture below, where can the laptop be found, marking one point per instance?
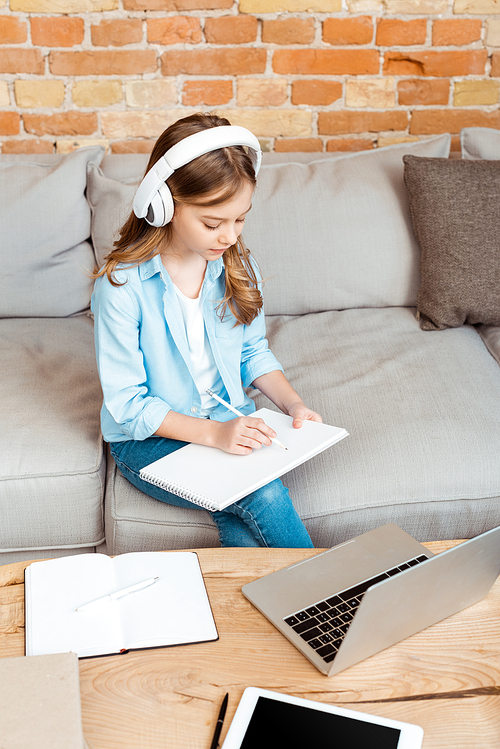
(366, 594)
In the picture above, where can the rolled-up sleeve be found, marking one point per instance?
(120, 361)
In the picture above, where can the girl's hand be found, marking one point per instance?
(242, 435)
(300, 413)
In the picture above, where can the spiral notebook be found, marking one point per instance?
(214, 479)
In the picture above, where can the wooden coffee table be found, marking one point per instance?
(446, 679)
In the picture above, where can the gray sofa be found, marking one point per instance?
(335, 243)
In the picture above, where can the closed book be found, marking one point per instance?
(40, 703)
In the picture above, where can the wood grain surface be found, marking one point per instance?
(446, 678)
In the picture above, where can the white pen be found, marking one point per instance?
(121, 593)
(238, 413)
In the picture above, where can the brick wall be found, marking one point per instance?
(306, 75)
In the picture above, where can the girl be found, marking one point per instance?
(178, 309)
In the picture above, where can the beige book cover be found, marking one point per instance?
(40, 702)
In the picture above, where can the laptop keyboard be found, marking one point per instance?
(324, 624)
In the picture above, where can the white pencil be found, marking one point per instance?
(239, 413)
(121, 593)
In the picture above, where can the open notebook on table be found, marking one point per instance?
(175, 610)
(214, 479)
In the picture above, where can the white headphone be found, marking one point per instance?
(153, 200)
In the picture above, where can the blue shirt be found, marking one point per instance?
(143, 356)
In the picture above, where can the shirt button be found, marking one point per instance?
(194, 410)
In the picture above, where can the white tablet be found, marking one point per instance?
(270, 720)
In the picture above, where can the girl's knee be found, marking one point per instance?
(275, 492)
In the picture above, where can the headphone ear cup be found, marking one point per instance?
(155, 213)
(161, 208)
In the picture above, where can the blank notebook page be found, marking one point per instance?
(214, 479)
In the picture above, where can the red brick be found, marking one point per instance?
(326, 61)
(116, 33)
(12, 30)
(288, 31)
(467, 62)
(231, 30)
(418, 91)
(455, 31)
(9, 123)
(133, 146)
(210, 93)
(288, 145)
(112, 62)
(317, 93)
(333, 123)
(56, 32)
(229, 61)
(495, 65)
(357, 30)
(349, 144)
(27, 146)
(392, 32)
(15, 60)
(427, 122)
(177, 30)
(66, 123)
(177, 5)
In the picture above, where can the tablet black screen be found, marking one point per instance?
(280, 725)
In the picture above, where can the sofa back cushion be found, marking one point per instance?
(336, 234)
(480, 143)
(110, 202)
(45, 251)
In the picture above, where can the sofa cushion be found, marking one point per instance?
(454, 207)
(480, 143)
(110, 202)
(336, 234)
(136, 522)
(349, 213)
(44, 249)
(52, 467)
(421, 410)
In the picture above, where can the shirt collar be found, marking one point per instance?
(154, 265)
(150, 267)
(214, 268)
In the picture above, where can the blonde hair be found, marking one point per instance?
(208, 180)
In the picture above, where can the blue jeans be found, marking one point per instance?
(265, 517)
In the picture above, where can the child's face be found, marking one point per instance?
(208, 231)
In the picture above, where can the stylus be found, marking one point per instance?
(239, 413)
(218, 725)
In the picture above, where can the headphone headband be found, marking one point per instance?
(153, 200)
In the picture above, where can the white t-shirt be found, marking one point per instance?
(206, 374)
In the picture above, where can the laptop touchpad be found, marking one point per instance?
(337, 569)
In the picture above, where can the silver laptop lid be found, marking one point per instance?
(392, 609)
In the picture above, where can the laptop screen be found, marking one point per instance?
(279, 724)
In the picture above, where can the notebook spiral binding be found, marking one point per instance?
(180, 491)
